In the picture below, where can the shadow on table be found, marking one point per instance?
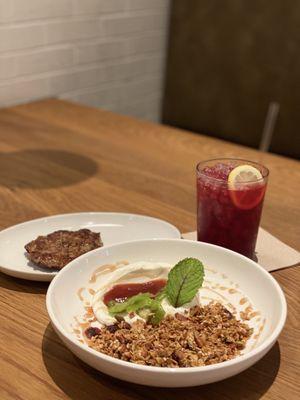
(22, 285)
(79, 381)
(44, 168)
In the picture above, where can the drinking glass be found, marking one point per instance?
(228, 216)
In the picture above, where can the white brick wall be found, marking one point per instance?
(103, 53)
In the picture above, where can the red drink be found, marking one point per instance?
(229, 211)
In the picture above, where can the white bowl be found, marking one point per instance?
(253, 281)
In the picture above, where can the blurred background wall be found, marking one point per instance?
(210, 66)
(228, 62)
(103, 53)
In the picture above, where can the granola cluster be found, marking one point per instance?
(207, 335)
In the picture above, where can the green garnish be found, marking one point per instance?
(144, 313)
(161, 295)
(157, 313)
(132, 304)
(143, 304)
(184, 280)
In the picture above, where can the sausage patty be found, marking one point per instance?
(59, 248)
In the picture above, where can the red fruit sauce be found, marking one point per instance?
(228, 218)
(123, 291)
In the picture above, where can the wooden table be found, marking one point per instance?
(59, 157)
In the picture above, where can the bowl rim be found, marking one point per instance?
(167, 370)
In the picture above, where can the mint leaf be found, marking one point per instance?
(184, 280)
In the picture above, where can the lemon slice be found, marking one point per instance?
(246, 187)
(243, 174)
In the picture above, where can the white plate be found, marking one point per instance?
(63, 304)
(114, 228)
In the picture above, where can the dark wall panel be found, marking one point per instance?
(227, 61)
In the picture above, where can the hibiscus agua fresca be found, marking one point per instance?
(230, 195)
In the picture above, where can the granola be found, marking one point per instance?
(205, 335)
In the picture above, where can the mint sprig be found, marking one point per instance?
(184, 280)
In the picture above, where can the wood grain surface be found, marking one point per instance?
(59, 157)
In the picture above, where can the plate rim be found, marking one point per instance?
(47, 276)
(89, 213)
